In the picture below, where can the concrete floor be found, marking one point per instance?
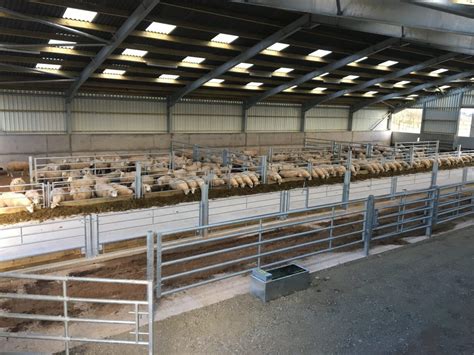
(415, 299)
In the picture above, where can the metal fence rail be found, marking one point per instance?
(277, 238)
(65, 301)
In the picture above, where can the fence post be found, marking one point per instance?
(459, 151)
(411, 155)
(283, 203)
(47, 191)
(225, 157)
(204, 209)
(195, 152)
(94, 239)
(306, 202)
(465, 171)
(88, 236)
(31, 170)
(368, 223)
(138, 180)
(432, 220)
(393, 186)
(369, 150)
(434, 172)
(159, 238)
(347, 180)
(263, 169)
(333, 146)
(270, 154)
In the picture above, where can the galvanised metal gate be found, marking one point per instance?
(65, 301)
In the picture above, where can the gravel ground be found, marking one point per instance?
(416, 299)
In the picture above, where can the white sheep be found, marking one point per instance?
(105, 190)
(58, 195)
(122, 190)
(82, 193)
(179, 185)
(16, 185)
(16, 199)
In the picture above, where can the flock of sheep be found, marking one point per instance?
(111, 176)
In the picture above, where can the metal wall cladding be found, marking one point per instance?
(273, 118)
(366, 119)
(327, 118)
(118, 115)
(206, 116)
(445, 103)
(32, 113)
(468, 99)
(444, 127)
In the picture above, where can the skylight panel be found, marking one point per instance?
(291, 88)
(320, 53)
(254, 84)
(134, 52)
(350, 77)
(278, 46)
(413, 95)
(215, 81)
(444, 87)
(193, 60)
(321, 76)
(80, 15)
(168, 77)
(438, 71)
(114, 71)
(159, 27)
(283, 70)
(360, 60)
(224, 38)
(388, 63)
(48, 66)
(243, 65)
(318, 90)
(62, 44)
(370, 93)
(402, 83)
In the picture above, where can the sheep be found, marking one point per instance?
(145, 187)
(33, 196)
(193, 185)
(15, 199)
(217, 181)
(179, 185)
(49, 173)
(122, 190)
(82, 193)
(127, 177)
(274, 176)
(290, 173)
(246, 180)
(147, 179)
(15, 185)
(340, 170)
(200, 182)
(239, 180)
(164, 180)
(85, 181)
(253, 176)
(105, 190)
(74, 174)
(15, 166)
(231, 181)
(58, 195)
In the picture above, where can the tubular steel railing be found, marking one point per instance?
(65, 302)
(240, 245)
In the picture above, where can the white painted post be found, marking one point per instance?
(347, 179)
(32, 171)
(204, 209)
(138, 180)
(263, 169)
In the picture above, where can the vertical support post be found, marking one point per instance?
(349, 121)
(333, 147)
(465, 171)
(195, 152)
(310, 169)
(94, 236)
(347, 180)
(244, 119)
(393, 186)
(159, 238)
(138, 180)
(437, 146)
(68, 116)
(169, 119)
(434, 211)
(368, 223)
(306, 201)
(263, 169)
(303, 120)
(150, 256)
(270, 154)
(259, 248)
(31, 170)
(284, 203)
(459, 151)
(368, 150)
(225, 157)
(411, 155)
(204, 209)
(434, 172)
(66, 318)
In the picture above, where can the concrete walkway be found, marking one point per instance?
(416, 299)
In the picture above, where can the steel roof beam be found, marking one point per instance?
(24, 17)
(412, 90)
(312, 103)
(295, 26)
(429, 98)
(127, 27)
(325, 69)
(388, 18)
(21, 69)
